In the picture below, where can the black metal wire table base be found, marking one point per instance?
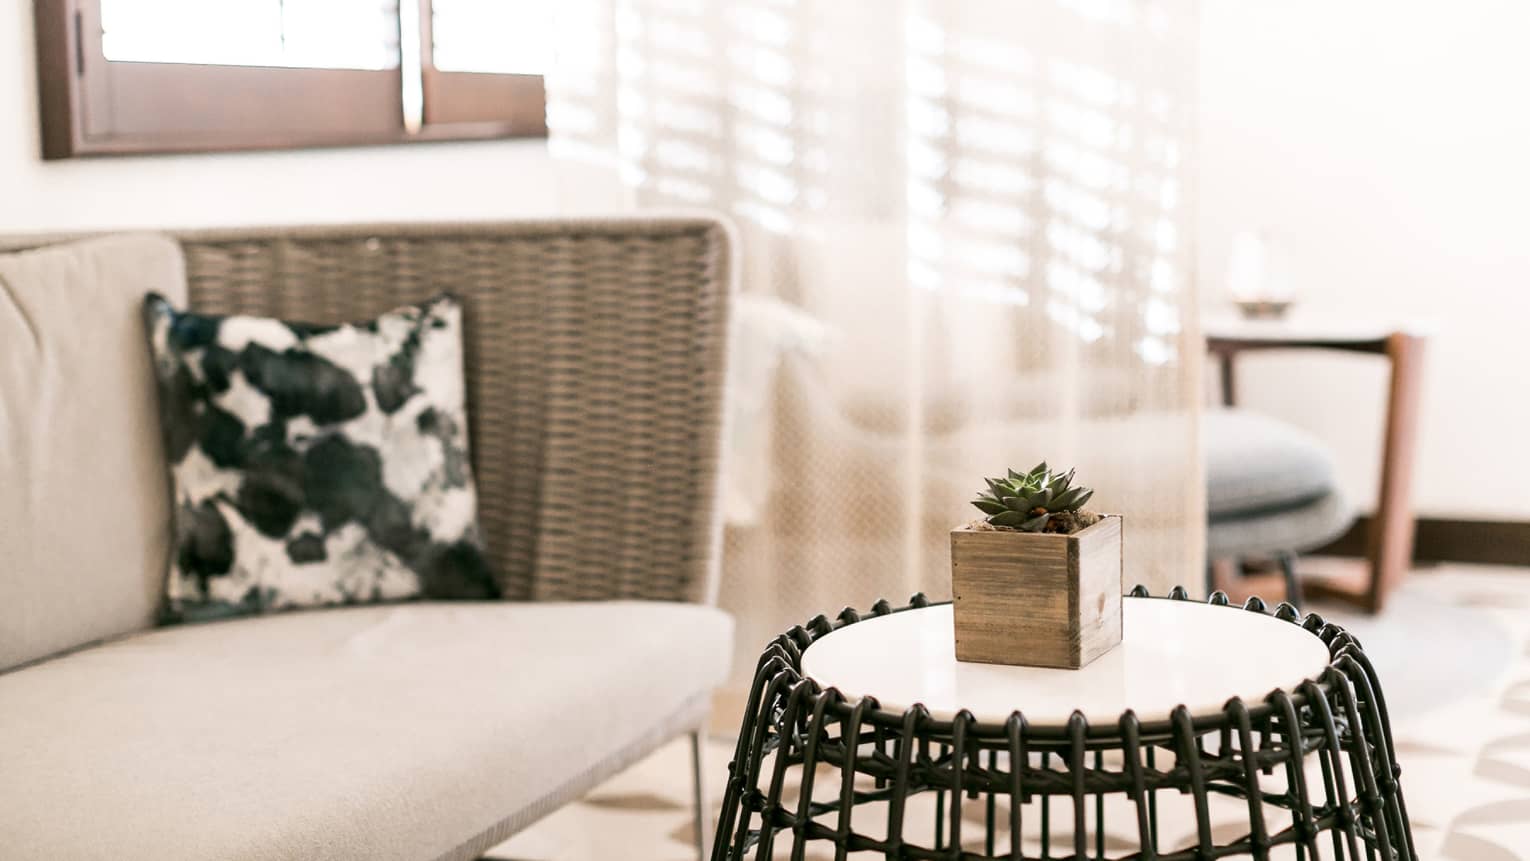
(821, 776)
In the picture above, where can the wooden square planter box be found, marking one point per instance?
(1037, 599)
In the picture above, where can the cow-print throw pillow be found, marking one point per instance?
(316, 465)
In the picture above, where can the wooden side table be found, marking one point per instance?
(1389, 539)
(1210, 732)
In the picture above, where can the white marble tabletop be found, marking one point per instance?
(1172, 653)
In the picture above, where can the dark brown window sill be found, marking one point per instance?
(127, 146)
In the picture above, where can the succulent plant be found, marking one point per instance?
(1028, 501)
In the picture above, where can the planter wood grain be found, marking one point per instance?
(1037, 600)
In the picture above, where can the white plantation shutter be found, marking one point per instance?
(319, 34)
(509, 37)
(485, 36)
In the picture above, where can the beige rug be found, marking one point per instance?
(1454, 656)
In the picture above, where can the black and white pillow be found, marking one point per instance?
(316, 465)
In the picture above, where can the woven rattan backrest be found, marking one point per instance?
(595, 376)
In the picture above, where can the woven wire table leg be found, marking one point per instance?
(1296, 778)
(1046, 812)
(940, 807)
(1152, 757)
(1376, 807)
(1076, 727)
(899, 799)
(1380, 728)
(1014, 734)
(1099, 809)
(802, 822)
(850, 735)
(1333, 775)
(1259, 837)
(991, 802)
(770, 809)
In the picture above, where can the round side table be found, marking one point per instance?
(1210, 732)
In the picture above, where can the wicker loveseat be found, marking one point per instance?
(413, 731)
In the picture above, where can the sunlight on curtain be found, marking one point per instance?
(965, 247)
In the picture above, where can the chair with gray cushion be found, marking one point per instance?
(1271, 491)
(427, 730)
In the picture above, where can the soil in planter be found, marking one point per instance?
(1062, 523)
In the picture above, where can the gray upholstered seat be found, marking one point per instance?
(1271, 488)
(367, 733)
(1256, 464)
(1288, 530)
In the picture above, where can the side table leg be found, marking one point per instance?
(1293, 580)
(1389, 545)
(1389, 536)
(1229, 378)
(703, 820)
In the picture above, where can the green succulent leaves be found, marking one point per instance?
(1026, 501)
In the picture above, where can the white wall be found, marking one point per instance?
(1386, 146)
(486, 180)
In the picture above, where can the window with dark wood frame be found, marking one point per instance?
(94, 106)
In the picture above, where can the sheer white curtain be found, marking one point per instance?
(965, 247)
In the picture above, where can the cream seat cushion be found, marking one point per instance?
(368, 733)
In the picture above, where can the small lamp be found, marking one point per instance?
(1251, 281)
